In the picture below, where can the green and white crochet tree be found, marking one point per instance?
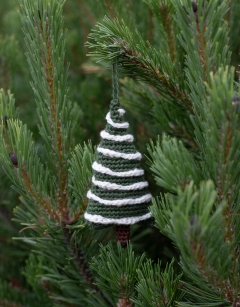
(119, 193)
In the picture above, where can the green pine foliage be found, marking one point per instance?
(178, 63)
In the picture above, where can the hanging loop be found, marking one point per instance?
(115, 80)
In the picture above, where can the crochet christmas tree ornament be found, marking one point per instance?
(119, 193)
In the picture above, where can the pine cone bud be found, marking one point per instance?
(194, 6)
(13, 158)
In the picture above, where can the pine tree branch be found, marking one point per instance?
(222, 179)
(230, 291)
(83, 6)
(113, 39)
(135, 58)
(111, 10)
(34, 193)
(211, 276)
(203, 28)
(38, 197)
(82, 265)
(167, 17)
(182, 133)
(201, 38)
(80, 260)
(55, 123)
(151, 27)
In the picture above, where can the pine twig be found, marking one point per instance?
(111, 10)
(56, 125)
(36, 195)
(168, 28)
(136, 59)
(201, 41)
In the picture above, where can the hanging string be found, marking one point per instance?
(115, 80)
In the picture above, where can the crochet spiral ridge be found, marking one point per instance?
(119, 193)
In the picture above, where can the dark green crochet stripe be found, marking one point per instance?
(124, 147)
(116, 131)
(116, 194)
(117, 212)
(117, 164)
(118, 180)
(97, 226)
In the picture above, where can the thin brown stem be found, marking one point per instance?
(222, 286)
(133, 57)
(36, 195)
(183, 134)
(167, 16)
(201, 45)
(151, 26)
(111, 9)
(87, 12)
(38, 198)
(222, 179)
(56, 125)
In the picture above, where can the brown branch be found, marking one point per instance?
(201, 43)
(175, 92)
(168, 28)
(150, 27)
(124, 301)
(55, 123)
(228, 212)
(4, 73)
(38, 198)
(210, 275)
(222, 180)
(87, 12)
(184, 135)
(111, 9)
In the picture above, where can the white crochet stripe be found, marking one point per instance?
(113, 186)
(118, 138)
(121, 111)
(116, 154)
(119, 202)
(116, 125)
(105, 170)
(98, 219)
